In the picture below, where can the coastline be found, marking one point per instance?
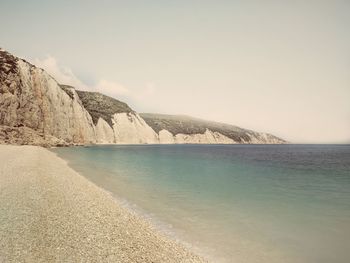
(51, 213)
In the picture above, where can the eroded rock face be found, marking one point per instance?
(101, 106)
(208, 137)
(166, 137)
(104, 132)
(35, 109)
(25, 135)
(264, 138)
(186, 129)
(31, 98)
(130, 128)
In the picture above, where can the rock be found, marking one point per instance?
(35, 109)
(28, 136)
(186, 129)
(208, 137)
(104, 132)
(31, 98)
(102, 106)
(130, 128)
(166, 137)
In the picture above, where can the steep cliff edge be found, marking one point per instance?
(34, 109)
(115, 121)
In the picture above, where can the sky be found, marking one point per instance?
(281, 67)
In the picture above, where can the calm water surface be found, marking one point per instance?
(234, 203)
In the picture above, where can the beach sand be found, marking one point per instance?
(50, 213)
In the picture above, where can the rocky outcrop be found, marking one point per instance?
(208, 137)
(28, 136)
(264, 138)
(31, 98)
(130, 128)
(104, 132)
(35, 109)
(102, 106)
(185, 129)
(166, 137)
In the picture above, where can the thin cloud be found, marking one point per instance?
(64, 75)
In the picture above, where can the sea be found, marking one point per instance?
(233, 203)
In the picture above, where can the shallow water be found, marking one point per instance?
(235, 203)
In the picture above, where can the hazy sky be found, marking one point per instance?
(276, 66)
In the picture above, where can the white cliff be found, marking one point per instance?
(35, 109)
(130, 128)
(104, 132)
(186, 129)
(166, 137)
(263, 138)
(208, 137)
(32, 99)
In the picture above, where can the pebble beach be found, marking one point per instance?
(50, 213)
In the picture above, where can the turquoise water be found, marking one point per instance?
(234, 203)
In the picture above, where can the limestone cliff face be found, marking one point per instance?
(31, 98)
(185, 129)
(208, 137)
(264, 138)
(104, 132)
(130, 128)
(35, 109)
(166, 137)
(101, 106)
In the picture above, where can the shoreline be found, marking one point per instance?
(158, 225)
(51, 213)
